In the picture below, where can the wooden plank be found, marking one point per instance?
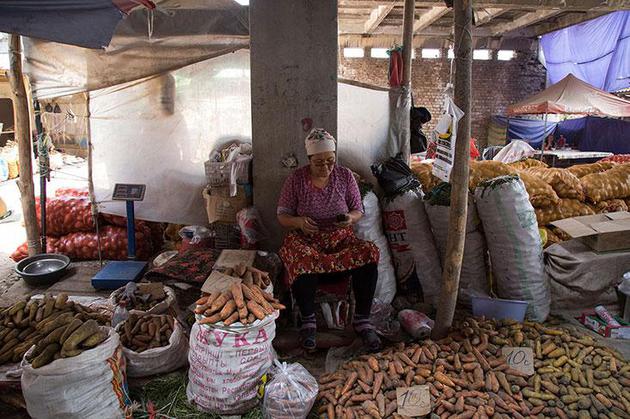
(429, 17)
(483, 15)
(567, 5)
(565, 21)
(523, 21)
(376, 17)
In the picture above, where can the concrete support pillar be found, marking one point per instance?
(294, 82)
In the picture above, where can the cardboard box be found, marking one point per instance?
(222, 207)
(593, 322)
(601, 232)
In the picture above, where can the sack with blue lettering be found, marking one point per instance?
(516, 254)
(227, 364)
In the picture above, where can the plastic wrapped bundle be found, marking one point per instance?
(488, 169)
(566, 208)
(613, 205)
(513, 239)
(565, 183)
(611, 184)
(581, 170)
(527, 163)
(541, 194)
(424, 172)
(291, 392)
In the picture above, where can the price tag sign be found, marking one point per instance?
(521, 359)
(218, 282)
(413, 401)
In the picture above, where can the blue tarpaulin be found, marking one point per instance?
(84, 23)
(596, 134)
(597, 52)
(531, 131)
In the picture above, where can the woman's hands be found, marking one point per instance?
(347, 220)
(306, 224)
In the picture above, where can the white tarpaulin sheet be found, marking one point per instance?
(160, 131)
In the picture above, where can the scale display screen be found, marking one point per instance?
(128, 192)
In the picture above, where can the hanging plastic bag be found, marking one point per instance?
(394, 176)
(291, 392)
(252, 229)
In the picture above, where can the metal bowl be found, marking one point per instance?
(43, 269)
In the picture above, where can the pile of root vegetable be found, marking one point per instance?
(240, 303)
(58, 328)
(575, 376)
(142, 332)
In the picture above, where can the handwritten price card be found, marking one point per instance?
(413, 401)
(521, 359)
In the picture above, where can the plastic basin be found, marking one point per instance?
(498, 308)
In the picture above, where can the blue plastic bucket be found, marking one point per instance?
(500, 309)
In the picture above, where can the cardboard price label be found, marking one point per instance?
(218, 282)
(413, 401)
(521, 359)
(229, 258)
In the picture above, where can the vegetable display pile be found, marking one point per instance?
(249, 275)
(467, 376)
(58, 328)
(142, 332)
(241, 303)
(140, 300)
(617, 158)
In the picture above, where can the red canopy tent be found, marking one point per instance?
(572, 96)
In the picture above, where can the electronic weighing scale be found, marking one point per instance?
(117, 274)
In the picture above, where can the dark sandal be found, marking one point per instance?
(371, 340)
(308, 338)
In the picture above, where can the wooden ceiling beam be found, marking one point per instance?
(566, 5)
(483, 15)
(523, 21)
(377, 15)
(564, 22)
(429, 17)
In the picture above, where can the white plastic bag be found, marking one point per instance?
(90, 385)
(227, 364)
(515, 151)
(516, 253)
(412, 244)
(473, 280)
(158, 360)
(370, 228)
(291, 392)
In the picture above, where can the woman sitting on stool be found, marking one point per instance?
(320, 203)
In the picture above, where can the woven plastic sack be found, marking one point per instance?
(527, 163)
(424, 173)
(581, 170)
(611, 184)
(158, 360)
(487, 169)
(541, 194)
(370, 228)
(227, 364)
(473, 280)
(509, 223)
(291, 392)
(90, 385)
(412, 244)
(612, 205)
(566, 208)
(565, 183)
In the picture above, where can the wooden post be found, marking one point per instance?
(459, 175)
(408, 20)
(23, 137)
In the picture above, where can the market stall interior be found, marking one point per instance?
(203, 220)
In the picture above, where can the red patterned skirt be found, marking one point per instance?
(325, 252)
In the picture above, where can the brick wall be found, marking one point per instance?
(496, 84)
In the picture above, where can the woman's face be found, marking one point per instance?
(322, 164)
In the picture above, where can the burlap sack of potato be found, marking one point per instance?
(552, 238)
(425, 175)
(581, 170)
(612, 205)
(611, 184)
(487, 169)
(565, 183)
(566, 208)
(541, 194)
(527, 163)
